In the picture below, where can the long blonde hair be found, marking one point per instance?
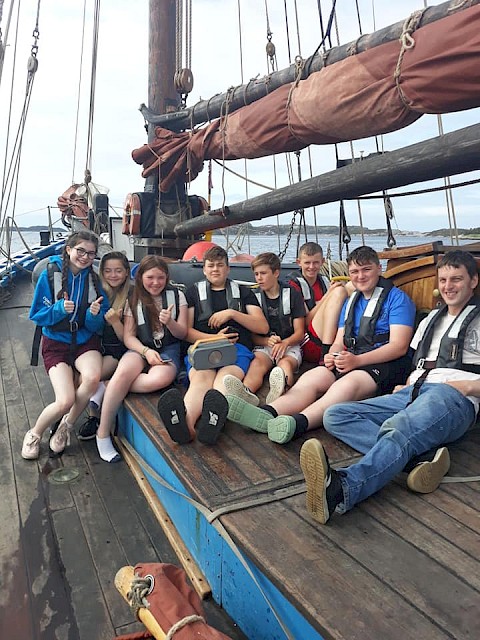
(118, 298)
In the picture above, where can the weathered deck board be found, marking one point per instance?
(61, 545)
(389, 567)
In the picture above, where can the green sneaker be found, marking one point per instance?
(247, 415)
(281, 429)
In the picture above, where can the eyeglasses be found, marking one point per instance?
(82, 253)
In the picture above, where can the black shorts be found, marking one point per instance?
(386, 375)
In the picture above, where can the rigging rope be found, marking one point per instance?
(11, 177)
(96, 26)
(77, 116)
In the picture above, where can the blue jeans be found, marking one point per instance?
(390, 433)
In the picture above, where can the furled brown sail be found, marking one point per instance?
(435, 70)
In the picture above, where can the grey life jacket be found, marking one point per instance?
(450, 354)
(169, 296)
(204, 292)
(307, 291)
(284, 309)
(367, 337)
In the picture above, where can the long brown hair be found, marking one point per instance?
(72, 242)
(118, 298)
(140, 294)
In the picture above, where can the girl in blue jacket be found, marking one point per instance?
(69, 304)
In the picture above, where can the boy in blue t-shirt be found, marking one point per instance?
(368, 357)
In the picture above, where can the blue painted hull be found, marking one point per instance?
(25, 261)
(232, 586)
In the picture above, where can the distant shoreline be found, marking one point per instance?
(324, 230)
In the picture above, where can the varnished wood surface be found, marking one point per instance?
(398, 566)
(61, 545)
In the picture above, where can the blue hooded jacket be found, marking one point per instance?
(47, 312)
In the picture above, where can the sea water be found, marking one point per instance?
(256, 244)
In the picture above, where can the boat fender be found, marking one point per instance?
(197, 250)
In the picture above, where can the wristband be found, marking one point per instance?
(144, 352)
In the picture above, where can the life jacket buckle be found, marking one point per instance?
(73, 326)
(158, 343)
(421, 363)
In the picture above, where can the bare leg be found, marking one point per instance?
(89, 366)
(289, 366)
(200, 383)
(157, 377)
(129, 367)
(355, 385)
(62, 379)
(232, 370)
(307, 389)
(325, 321)
(260, 365)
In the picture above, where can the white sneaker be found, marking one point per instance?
(61, 437)
(278, 383)
(235, 387)
(31, 446)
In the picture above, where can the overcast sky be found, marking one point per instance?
(47, 161)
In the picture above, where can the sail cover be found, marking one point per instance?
(434, 70)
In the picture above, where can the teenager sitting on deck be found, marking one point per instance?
(368, 356)
(155, 321)
(216, 306)
(323, 300)
(279, 351)
(437, 407)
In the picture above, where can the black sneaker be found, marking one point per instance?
(324, 487)
(213, 417)
(88, 430)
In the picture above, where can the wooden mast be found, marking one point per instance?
(167, 209)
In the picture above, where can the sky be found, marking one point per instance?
(49, 163)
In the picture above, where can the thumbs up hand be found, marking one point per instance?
(165, 315)
(68, 305)
(96, 306)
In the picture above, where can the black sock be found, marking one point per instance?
(301, 424)
(270, 409)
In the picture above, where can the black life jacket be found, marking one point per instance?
(204, 293)
(367, 338)
(450, 353)
(109, 337)
(307, 291)
(144, 331)
(284, 308)
(89, 295)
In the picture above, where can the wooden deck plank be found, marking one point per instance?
(55, 539)
(332, 590)
(398, 546)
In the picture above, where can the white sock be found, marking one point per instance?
(96, 399)
(106, 449)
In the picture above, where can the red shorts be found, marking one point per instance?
(54, 352)
(312, 352)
